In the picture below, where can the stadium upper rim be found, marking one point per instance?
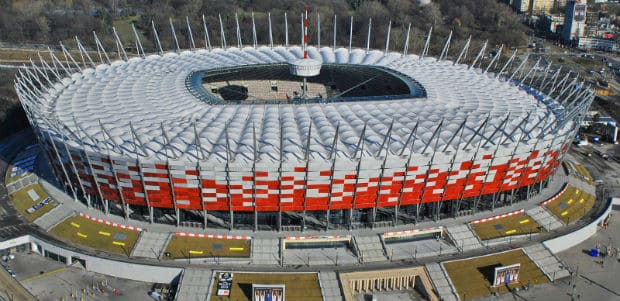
(141, 107)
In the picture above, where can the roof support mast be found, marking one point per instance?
(157, 42)
(139, 48)
(192, 44)
(222, 34)
(207, 38)
(174, 36)
(334, 45)
(406, 48)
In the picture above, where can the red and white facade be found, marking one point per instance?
(133, 133)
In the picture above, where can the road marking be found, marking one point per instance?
(195, 252)
(525, 221)
(43, 275)
(511, 231)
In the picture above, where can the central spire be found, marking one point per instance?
(305, 67)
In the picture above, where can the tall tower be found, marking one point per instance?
(305, 67)
(574, 20)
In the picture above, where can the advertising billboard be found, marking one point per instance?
(506, 274)
(580, 13)
(267, 292)
(224, 284)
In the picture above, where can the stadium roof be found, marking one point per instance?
(143, 107)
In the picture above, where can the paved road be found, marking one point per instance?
(591, 280)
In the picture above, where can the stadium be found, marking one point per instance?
(234, 138)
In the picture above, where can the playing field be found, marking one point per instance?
(473, 277)
(517, 224)
(23, 199)
(297, 286)
(197, 247)
(571, 205)
(96, 235)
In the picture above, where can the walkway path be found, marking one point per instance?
(195, 285)
(547, 262)
(150, 245)
(265, 251)
(329, 286)
(370, 248)
(544, 218)
(442, 283)
(463, 237)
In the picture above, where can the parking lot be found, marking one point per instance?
(50, 280)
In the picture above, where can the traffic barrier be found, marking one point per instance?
(109, 223)
(218, 236)
(492, 218)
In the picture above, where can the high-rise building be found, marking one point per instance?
(536, 7)
(574, 20)
(539, 7)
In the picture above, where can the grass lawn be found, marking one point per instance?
(198, 247)
(125, 33)
(297, 286)
(96, 235)
(24, 54)
(473, 277)
(12, 179)
(571, 205)
(22, 201)
(512, 225)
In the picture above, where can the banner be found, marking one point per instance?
(224, 284)
(267, 292)
(506, 274)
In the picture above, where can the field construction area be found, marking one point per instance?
(24, 199)
(203, 247)
(518, 224)
(572, 205)
(298, 286)
(473, 278)
(96, 235)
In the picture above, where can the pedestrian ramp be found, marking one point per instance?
(150, 244)
(329, 286)
(370, 248)
(463, 238)
(441, 282)
(545, 219)
(546, 261)
(195, 284)
(53, 217)
(266, 251)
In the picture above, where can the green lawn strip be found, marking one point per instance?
(517, 224)
(96, 235)
(125, 33)
(572, 205)
(302, 286)
(198, 247)
(472, 278)
(22, 201)
(10, 179)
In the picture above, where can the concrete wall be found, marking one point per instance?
(572, 239)
(120, 269)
